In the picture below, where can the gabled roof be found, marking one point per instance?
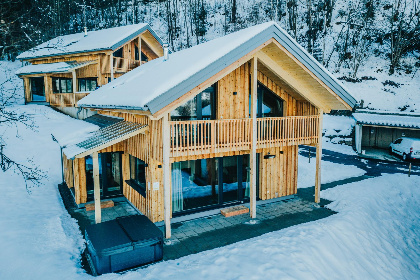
(158, 83)
(388, 119)
(105, 39)
(103, 138)
(58, 67)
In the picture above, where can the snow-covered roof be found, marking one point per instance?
(388, 119)
(158, 83)
(105, 39)
(58, 67)
(103, 138)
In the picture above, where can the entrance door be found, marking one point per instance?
(209, 183)
(110, 175)
(37, 89)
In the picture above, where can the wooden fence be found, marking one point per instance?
(215, 136)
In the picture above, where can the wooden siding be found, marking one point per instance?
(278, 176)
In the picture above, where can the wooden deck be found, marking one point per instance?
(190, 138)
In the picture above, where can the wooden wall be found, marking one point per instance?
(230, 106)
(278, 176)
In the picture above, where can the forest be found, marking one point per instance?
(339, 34)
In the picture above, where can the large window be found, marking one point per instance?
(87, 84)
(269, 104)
(138, 175)
(201, 107)
(62, 85)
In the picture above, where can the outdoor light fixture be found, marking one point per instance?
(235, 93)
(267, 156)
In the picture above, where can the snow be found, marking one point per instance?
(158, 76)
(412, 121)
(374, 235)
(50, 67)
(11, 87)
(337, 125)
(75, 43)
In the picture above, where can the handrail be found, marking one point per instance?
(125, 64)
(214, 136)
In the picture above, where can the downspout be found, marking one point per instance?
(78, 112)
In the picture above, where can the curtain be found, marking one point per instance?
(177, 197)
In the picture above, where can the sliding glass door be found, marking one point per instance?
(110, 175)
(206, 183)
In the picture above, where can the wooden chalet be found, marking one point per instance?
(67, 68)
(214, 125)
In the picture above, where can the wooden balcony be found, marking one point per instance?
(66, 99)
(191, 138)
(124, 64)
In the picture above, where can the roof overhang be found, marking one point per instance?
(58, 67)
(395, 120)
(104, 138)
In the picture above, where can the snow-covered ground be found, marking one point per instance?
(374, 235)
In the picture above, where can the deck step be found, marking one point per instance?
(234, 211)
(104, 204)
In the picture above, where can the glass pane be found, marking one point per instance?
(113, 173)
(62, 86)
(37, 89)
(230, 179)
(187, 111)
(82, 85)
(194, 184)
(56, 85)
(69, 87)
(272, 105)
(245, 177)
(206, 105)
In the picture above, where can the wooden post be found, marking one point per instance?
(166, 175)
(96, 187)
(253, 156)
(111, 65)
(139, 43)
(73, 72)
(318, 160)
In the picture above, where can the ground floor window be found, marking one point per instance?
(37, 89)
(138, 175)
(110, 175)
(87, 84)
(209, 182)
(62, 85)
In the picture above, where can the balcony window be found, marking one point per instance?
(62, 85)
(201, 107)
(87, 84)
(269, 104)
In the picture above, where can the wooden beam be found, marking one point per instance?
(115, 141)
(73, 73)
(318, 160)
(166, 175)
(96, 187)
(111, 65)
(291, 80)
(253, 156)
(312, 74)
(139, 47)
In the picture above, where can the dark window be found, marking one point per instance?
(201, 107)
(138, 175)
(118, 53)
(87, 84)
(144, 57)
(62, 85)
(398, 141)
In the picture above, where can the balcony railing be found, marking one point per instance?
(190, 138)
(66, 99)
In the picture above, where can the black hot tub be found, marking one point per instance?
(123, 243)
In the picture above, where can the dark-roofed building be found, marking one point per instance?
(380, 129)
(67, 68)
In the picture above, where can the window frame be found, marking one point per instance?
(60, 83)
(138, 186)
(80, 81)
